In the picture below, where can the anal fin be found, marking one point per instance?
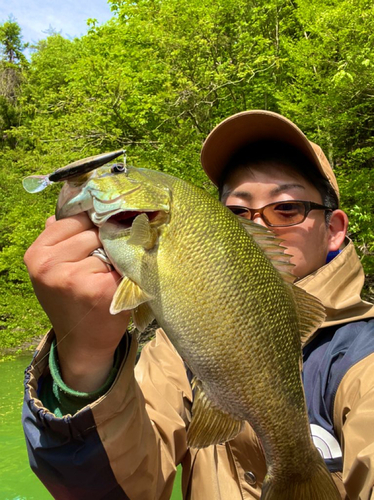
(209, 424)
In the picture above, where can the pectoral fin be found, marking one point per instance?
(128, 296)
(142, 233)
(209, 425)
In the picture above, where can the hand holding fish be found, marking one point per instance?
(76, 289)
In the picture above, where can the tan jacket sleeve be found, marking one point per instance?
(354, 422)
(142, 421)
(124, 445)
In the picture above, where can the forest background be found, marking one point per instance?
(154, 80)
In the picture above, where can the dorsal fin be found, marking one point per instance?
(311, 312)
(272, 247)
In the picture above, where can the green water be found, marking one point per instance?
(17, 481)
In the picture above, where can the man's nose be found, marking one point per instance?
(257, 219)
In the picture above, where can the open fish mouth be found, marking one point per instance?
(124, 219)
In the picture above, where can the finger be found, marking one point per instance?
(96, 276)
(77, 247)
(50, 220)
(63, 229)
(99, 266)
(42, 255)
(93, 265)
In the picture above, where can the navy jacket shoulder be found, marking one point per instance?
(327, 358)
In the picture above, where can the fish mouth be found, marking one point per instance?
(125, 219)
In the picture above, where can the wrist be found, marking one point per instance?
(61, 399)
(83, 369)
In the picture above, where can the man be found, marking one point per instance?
(96, 430)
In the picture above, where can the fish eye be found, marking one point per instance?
(118, 168)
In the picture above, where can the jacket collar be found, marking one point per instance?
(338, 285)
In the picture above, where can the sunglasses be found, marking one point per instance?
(281, 213)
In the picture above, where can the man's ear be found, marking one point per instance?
(338, 226)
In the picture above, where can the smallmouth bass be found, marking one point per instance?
(221, 290)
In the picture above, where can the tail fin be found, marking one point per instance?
(319, 486)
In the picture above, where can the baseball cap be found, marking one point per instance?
(248, 127)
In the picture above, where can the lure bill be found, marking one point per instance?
(36, 183)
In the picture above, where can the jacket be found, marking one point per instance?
(127, 443)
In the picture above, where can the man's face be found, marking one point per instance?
(308, 242)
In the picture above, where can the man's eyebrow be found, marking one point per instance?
(246, 195)
(285, 187)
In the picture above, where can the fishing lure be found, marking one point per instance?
(36, 183)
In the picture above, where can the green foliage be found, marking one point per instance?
(21, 220)
(332, 100)
(12, 64)
(11, 42)
(155, 80)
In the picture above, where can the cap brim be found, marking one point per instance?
(247, 127)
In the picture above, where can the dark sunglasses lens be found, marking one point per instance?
(285, 214)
